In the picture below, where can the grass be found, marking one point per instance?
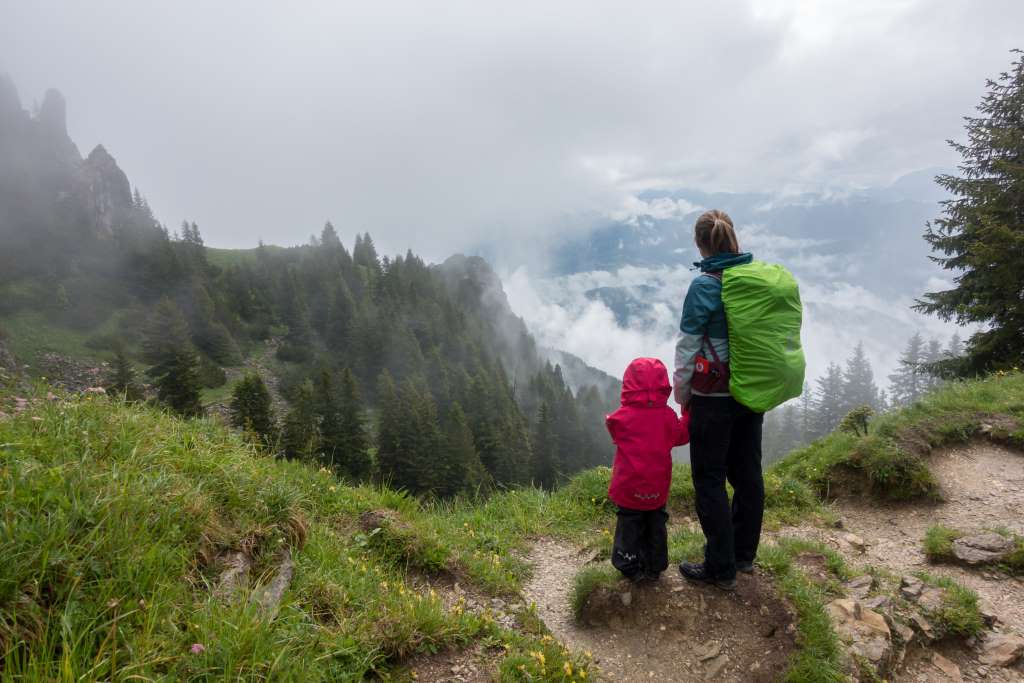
(938, 542)
(891, 461)
(588, 580)
(112, 515)
(819, 659)
(959, 614)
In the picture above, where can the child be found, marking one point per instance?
(644, 430)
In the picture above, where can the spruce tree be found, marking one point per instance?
(464, 474)
(545, 449)
(859, 387)
(828, 405)
(299, 438)
(980, 236)
(122, 379)
(167, 346)
(352, 441)
(907, 383)
(251, 408)
(932, 367)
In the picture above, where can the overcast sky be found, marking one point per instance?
(437, 124)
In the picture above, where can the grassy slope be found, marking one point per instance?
(892, 460)
(112, 515)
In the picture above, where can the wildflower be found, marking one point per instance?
(197, 648)
(332, 489)
(583, 673)
(567, 668)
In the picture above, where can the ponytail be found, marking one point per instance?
(715, 234)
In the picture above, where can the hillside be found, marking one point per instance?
(88, 274)
(141, 544)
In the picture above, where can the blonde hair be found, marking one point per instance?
(715, 234)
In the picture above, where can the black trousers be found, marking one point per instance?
(725, 445)
(641, 542)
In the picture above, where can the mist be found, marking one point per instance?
(438, 126)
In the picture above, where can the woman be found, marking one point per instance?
(725, 436)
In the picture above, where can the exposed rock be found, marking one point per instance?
(984, 548)
(1002, 649)
(236, 570)
(710, 650)
(878, 603)
(932, 599)
(859, 587)
(626, 598)
(270, 597)
(923, 626)
(713, 668)
(864, 631)
(951, 670)
(109, 192)
(855, 542)
(911, 587)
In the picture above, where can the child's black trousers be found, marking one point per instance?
(641, 542)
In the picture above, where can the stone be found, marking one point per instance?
(984, 548)
(903, 632)
(922, 625)
(911, 587)
(988, 614)
(932, 599)
(1001, 649)
(713, 668)
(951, 670)
(859, 587)
(855, 542)
(626, 598)
(864, 631)
(877, 603)
(710, 650)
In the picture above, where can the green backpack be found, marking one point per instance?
(763, 311)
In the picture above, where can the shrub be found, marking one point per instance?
(938, 542)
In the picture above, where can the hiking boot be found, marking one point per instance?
(745, 567)
(695, 571)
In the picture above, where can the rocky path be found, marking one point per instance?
(669, 631)
(983, 487)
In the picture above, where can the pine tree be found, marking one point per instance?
(166, 345)
(906, 383)
(981, 233)
(122, 380)
(352, 442)
(409, 442)
(932, 355)
(828, 405)
(465, 474)
(806, 414)
(251, 409)
(545, 449)
(956, 346)
(299, 438)
(859, 387)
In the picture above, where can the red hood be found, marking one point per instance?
(646, 383)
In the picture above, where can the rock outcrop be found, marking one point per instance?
(107, 190)
(984, 548)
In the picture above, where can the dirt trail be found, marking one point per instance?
(983, 487)
(670, 631)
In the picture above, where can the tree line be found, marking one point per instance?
(850, 387)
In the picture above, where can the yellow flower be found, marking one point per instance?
(567, 668)
(332, 489)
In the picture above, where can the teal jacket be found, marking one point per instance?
(703, 314)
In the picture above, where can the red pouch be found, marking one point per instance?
(710, 376)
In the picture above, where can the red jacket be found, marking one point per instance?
(644, 430)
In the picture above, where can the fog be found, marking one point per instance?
(440, 126)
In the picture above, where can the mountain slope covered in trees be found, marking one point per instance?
(418, 374)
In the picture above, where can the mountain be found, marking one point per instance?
(433, 354)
